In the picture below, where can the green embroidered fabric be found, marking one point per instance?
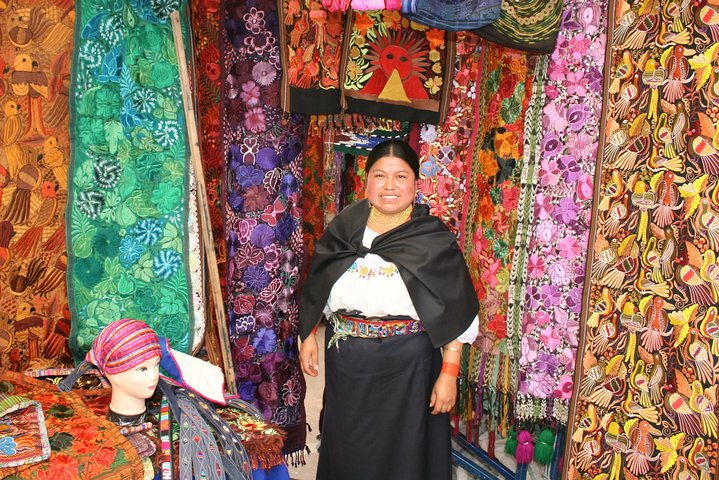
(528, 25)
(127, 208)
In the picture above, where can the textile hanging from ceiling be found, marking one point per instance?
(128, 191)
(645, 404)
(503, 93)
(311, 47)
(208, 94)
(196, 265)
(550, 295)
(263, 219)
(443, 150)
(396, 68)
(36, 40)
(531, 26)
(82, 444)
(313, 200)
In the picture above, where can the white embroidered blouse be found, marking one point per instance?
(375, 288)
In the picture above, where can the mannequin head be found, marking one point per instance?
(127, 352)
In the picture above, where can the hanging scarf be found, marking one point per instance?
(651, 299)
(34, 68)
(425, 253)
(443, 149)
(263, 148)
(491, 212)
(558, 239)
(129, 190)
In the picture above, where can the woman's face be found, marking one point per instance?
(391, 185)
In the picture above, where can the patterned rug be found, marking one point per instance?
(549, 297)
(503, 93)
(36, 39)
(82, 445)
(646, 400)
(129, 197)
(263, 220)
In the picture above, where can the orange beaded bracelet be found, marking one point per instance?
(450, 369)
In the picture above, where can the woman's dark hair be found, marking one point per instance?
(394, 148)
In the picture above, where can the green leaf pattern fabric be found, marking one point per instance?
(127, 212)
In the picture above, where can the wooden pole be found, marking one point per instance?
(205, 224)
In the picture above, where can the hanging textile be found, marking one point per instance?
(452, 15)
(646, 395)
(310, 42)
(503, 94)
(313, 200)
(35, 56)
(263, 220)
(128, 242)
(82, 444)
(196, 266)
(206, 32)
(397, 69)
(531, 26)
(443, 151)
(552, 291)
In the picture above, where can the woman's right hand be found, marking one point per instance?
(308, 356)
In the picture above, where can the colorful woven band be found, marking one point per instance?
(376, 327)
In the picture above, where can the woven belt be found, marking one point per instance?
(345, 325)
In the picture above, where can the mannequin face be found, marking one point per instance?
(391, 185)
(137, 383)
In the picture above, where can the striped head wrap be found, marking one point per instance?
(122, 345)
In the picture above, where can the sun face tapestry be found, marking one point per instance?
(552, 291)
(36, 39)
(645, 405)
(396, 68)
(491, 215)
(263, 217)
(128, 210)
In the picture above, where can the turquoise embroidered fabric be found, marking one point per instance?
(127, 208)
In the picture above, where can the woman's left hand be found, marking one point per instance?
(444, 394)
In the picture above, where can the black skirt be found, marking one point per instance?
(377, 422)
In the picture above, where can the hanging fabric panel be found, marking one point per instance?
(311, 51)
(552, 290)
(36, 41)
(127, 218)
(443, 149)
(491, 211)
(646, 397)
(531, 26)
(263, 219)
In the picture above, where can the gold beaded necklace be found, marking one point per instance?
(383, 222)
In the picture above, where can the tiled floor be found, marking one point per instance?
(313, 404)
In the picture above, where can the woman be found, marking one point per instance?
(394, 286)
